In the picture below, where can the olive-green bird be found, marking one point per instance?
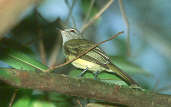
(95, 60)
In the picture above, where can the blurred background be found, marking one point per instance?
(149, 27)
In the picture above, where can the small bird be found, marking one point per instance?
(95, 60)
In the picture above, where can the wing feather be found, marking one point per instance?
(78, 46)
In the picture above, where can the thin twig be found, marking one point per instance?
(79, 102)
(40, 38)
(56, 47)
(123, 13)
(89, 11)
(91, 48)
(41, 48)
(73, 22)
(13, 97)
(94, 18)
(70, 11)
(55, 53)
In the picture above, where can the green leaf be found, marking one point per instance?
(61, 99)
(19, 57)
(23, 102)
(7, 75)
(129, 67)
(40, 99)
(76, 73)
(28, 100)
(103, 76)
(40, 103)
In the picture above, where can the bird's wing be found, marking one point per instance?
(78, 46)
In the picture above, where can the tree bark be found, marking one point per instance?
(87, 88)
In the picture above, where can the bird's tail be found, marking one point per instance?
(121, 74)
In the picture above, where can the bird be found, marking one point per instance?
(95, 60)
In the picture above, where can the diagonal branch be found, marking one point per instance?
(93, 19)
(89, 11)
(41, 47)
(87, 88)
(127, 26)
(70, 11)
(13, 98)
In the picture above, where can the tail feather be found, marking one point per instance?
(121, 74)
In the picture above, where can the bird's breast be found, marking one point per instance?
(83, 64)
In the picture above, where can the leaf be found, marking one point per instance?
(39, 99)
(28, 100)
(19, 57)
(103, 76)
(22, 102)
(76, 73)
(61, 99)
(128, 66)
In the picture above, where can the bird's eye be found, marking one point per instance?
(72, 30)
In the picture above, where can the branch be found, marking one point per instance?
(41, 47)
(127, 26)
(89, 11)
(93, 19)
(87, 88)
(13, 98)
(70, 11)
(55, 52)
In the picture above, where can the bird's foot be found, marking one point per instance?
(83, 72)
(96, 75)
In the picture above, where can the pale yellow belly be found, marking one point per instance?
(83, 64)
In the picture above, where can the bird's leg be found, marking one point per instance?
(96, 75)
(83, 72)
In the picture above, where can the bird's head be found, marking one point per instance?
(69, 34)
